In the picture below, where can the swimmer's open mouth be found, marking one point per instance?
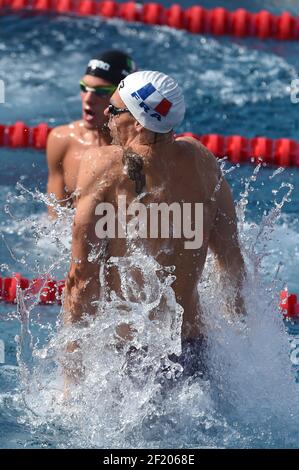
(89, 112)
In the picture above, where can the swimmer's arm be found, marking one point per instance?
(56, 148)
(224, 243)
(82, 284)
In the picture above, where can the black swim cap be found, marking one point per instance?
(112, 66)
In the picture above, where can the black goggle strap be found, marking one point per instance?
(115, 111)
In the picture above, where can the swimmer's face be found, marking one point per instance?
(120, 125)
(93, 105)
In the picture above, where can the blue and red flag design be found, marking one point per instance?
(152, 98)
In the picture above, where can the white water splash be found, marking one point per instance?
(246, 398)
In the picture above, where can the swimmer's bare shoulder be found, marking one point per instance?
(57, 144)
(204, 162)
(98, 168)
(62, 133)
(61, 136)
(195, 148)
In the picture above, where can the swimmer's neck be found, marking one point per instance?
(147, 141)
(100, 134)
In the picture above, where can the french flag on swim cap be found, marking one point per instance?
(152, 98)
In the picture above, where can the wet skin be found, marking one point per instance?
(67, 143)
(180, 170)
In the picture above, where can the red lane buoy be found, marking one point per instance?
(87, 7)
(10, 284)
(48, 292)
(175, 17)
(237, 148)
(286, 152)
(108, 9)
(130, 11)
(262, 149)
(215, 143)
(289, 304)
(153, 13)
(16, 5)
(45, 288)
(240, 23)
(40, 135)
(264, 24)
(285, 26)
(195, 18)
(41, 5)
(64, 6)
(220, 20)
(2, 132)
(18, 135)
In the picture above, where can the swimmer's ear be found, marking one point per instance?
(138, 126)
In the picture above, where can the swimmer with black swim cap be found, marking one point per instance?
(67, 143)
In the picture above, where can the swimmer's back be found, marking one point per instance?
(186, 170)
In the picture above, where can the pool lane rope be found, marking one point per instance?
(238, 149)
(195, 19)
(50, 291)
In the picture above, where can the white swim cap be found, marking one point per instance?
(154, 99)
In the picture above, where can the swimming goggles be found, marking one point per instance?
(114, 111)
(101, 90)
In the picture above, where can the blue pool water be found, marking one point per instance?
(231, 86)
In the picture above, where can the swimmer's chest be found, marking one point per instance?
(71, 164)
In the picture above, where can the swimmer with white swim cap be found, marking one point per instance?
(146, 160)
(66, 143)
